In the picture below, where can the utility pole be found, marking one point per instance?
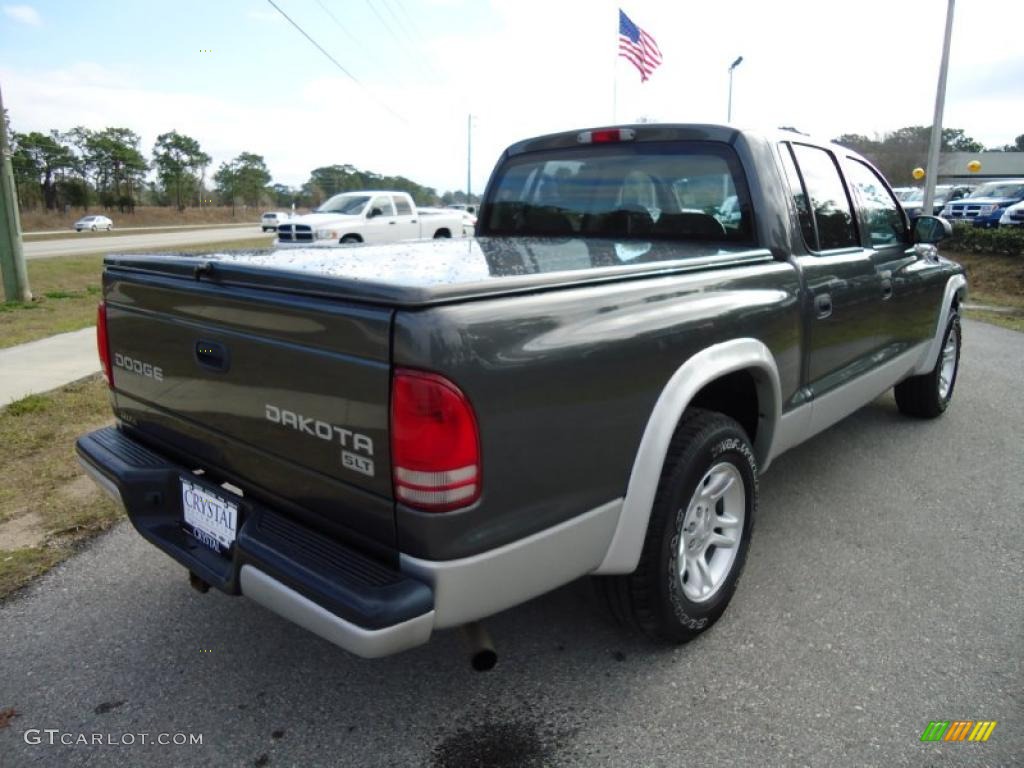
(469, 159)
(12, 258)
(932, 169)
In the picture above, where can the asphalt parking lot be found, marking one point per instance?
(884, 590)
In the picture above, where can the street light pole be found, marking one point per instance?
(932, 168)
(739, 60)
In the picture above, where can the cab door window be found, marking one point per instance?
(830, 205)
(880, 213)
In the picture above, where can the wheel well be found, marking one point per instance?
(735, 395)
(352, 238)
(443, 232)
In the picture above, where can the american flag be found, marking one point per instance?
(638, 47)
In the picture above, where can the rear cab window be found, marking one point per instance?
(678, 190)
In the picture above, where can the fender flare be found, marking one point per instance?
(707, 365)
(956, 287)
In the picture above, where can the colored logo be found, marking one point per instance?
(958, 730)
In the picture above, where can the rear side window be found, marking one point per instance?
(833, 215)
(385, 206)
(879, 209)
(681, 190)
(796, 191)
(403, 207)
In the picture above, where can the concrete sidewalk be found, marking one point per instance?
(40, 366)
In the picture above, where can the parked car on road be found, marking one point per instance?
(985, 206)
(420, 435)
(93, 223)
(368, 217)
(944, 193)
(270, 220)
(1013, 216)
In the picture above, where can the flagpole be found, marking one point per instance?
(615, 82)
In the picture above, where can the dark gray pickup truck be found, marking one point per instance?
(380, 441)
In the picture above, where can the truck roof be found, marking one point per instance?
(422, 273)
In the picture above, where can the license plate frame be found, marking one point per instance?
(209, 515)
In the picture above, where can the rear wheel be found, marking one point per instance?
(698, 534)
(929, 395)
(442, 234)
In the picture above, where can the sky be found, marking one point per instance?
(237, 76)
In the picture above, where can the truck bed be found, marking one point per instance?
(406, 275)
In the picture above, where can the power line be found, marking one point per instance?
(383, 21)
(400, 23)
(367, 53)
(334, 61)
(409, 48)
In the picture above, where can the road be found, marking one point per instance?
(130, 229)
(884, 589)
(89, 243)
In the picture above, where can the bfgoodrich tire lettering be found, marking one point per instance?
(929, 395)
(707, 496)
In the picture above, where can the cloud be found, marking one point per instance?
(26, 14)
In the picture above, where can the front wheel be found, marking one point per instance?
(350, 240)
(698, 534)
(929, 395)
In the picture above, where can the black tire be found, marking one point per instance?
(350, 240)
(922, 396)
(442, 234)
(652, 598)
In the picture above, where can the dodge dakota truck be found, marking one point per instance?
(421, 435)
(368, 217)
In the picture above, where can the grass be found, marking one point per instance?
(1013, 322)
(996, 281)
(43, 487)
(67, 289)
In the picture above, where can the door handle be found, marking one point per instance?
(391, 222)
(823, 305)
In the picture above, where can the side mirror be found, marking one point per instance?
(374, 212)
(931, 229)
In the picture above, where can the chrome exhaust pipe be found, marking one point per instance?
(480, 645)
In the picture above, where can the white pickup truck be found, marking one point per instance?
(368, 217)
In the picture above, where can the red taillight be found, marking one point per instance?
(606, 135)
(103, 342)
(435, 445)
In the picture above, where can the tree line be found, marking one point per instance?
(898, 153)
(83, 168)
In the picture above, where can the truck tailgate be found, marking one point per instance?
(284, 396)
